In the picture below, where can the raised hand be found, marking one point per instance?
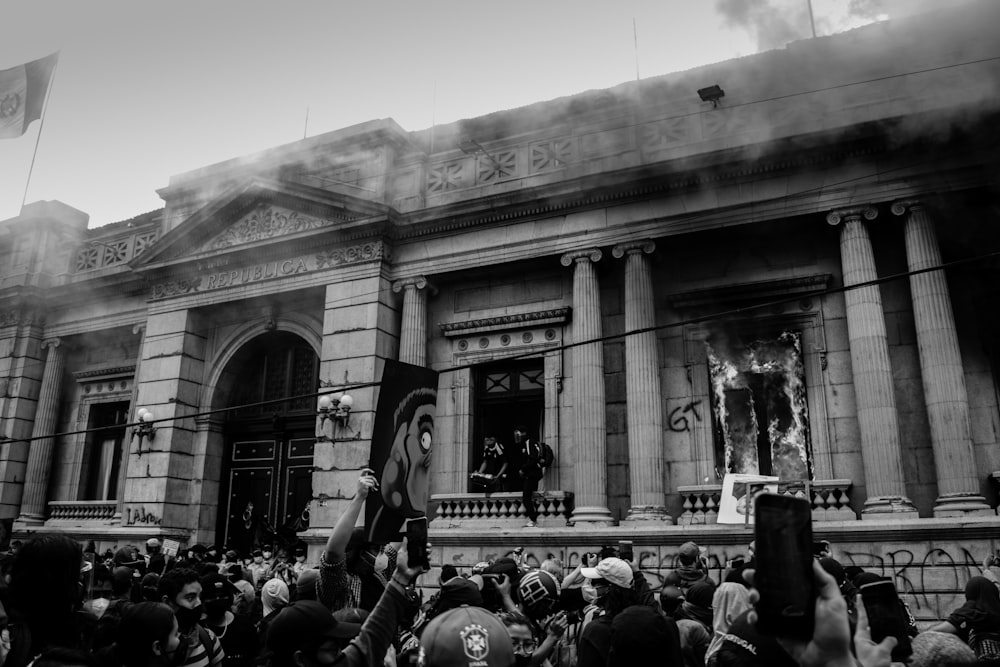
(366, 482)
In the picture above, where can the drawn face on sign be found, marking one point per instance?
(404, 477)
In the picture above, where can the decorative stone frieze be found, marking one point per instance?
(268, 222)
(233, 277)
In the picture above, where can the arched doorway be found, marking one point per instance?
(268, 449)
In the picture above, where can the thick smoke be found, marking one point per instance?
(775, 23)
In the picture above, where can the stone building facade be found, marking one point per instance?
(663, 288)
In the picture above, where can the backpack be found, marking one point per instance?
(547, 457)
(986, 645)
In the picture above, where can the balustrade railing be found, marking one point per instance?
(469, 510)
(829, 497)
(82, 510)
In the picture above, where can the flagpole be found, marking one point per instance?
(41, 125)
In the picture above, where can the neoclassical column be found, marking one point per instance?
(36, 480)
(140, 331)
(644, 411)
(590, 472)
(941, 368)
(878, 420)
(413, 328)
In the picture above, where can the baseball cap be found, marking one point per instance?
(304, 624)
(613, 570)
(689, 553)
(216, 585)
(465, 637)
(153, 542)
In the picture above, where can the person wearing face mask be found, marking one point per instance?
(522, 639)
(257, 568)
(299, 566)
(236, 634)
(181, 589)
(148, 636)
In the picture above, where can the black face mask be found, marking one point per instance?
(217, 607)
(187, 618)
(521, 660)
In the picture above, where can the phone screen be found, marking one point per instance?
(625, 550)
(886, 617)
(784, 574)
(416, 543)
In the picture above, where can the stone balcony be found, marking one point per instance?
(81, 511)
(830, 501)
(499, 510)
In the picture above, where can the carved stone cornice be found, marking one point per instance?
(501, 322)
(904, 206)
(417, 282)
(589, 254)
(632, 247)
(834, 218)
(90, 374)
(759, 291)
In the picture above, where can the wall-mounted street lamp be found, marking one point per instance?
(333, 409)
(144, 430)
(711, 94)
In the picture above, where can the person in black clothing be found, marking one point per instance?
(236, 634)
(530, 470)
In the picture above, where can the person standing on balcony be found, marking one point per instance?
(530, 471)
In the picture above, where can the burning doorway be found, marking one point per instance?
(759, 409)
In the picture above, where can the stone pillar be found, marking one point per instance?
(590, 470)
(413, 329)
(941, 368)
(642, 377)
(874, 393)
(138, 330)
(36, 483)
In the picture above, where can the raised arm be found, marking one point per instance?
(341, 535)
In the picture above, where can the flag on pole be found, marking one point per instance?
(22, 94)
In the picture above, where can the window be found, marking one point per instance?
(271, 367)
(507, 395)
(103, 451)
(759, 409)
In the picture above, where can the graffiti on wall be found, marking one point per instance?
(930, 579)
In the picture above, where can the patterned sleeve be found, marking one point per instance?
(332, 586)
(392, 554)
(217, 654)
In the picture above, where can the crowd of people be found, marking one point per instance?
(361, 607)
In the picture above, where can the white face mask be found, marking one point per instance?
(589, 592)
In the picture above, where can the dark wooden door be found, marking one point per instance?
(269, 482)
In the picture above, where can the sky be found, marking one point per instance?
(146, 89)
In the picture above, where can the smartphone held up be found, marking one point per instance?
(784, 572)
(416, 544)
(886, 617)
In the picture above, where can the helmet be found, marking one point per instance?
(539, 593)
